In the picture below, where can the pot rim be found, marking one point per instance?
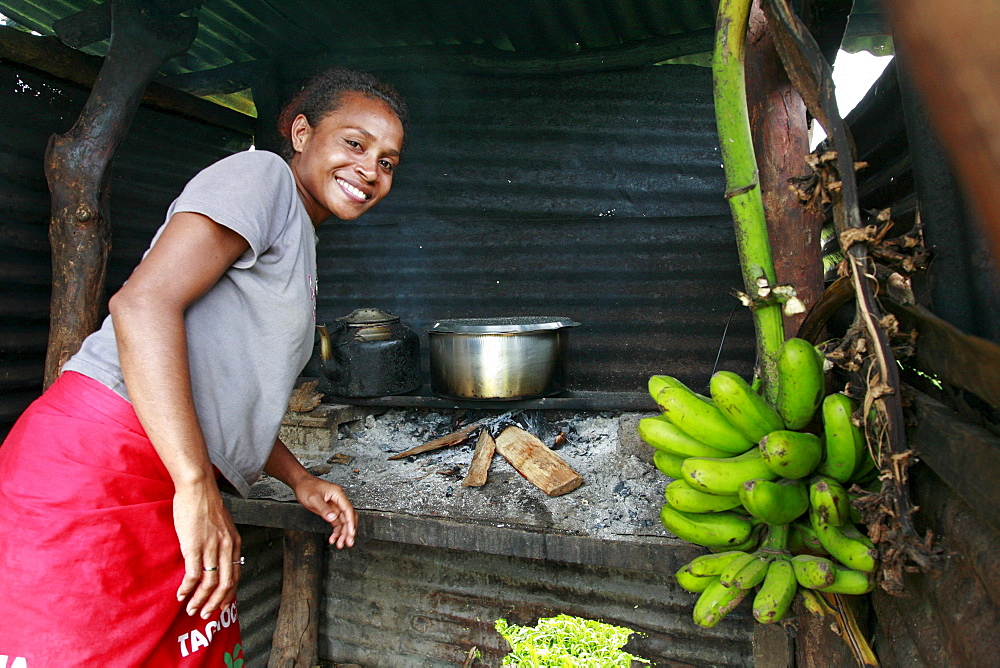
(501, 325)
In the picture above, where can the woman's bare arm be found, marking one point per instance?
(191, 254)
(322, 497)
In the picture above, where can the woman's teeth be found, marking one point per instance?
(351, 189)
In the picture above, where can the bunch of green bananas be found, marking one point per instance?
(767, 495)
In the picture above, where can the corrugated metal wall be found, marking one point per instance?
(159, 155)
(259, 594)
(396, 606)
(596, 196)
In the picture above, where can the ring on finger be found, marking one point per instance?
(241, 561)
(210, 568)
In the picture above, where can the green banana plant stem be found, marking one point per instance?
(742, 183)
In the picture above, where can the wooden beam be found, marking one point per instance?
(76, 169)
(49, 55)
(964, 456)
(951, 53)
(294, 644)
(93, 23)
(943, 350)
(638, 552)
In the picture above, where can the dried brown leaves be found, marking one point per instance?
(815, 190)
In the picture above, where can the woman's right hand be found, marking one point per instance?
(210, 545)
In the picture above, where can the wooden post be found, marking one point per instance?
(295, 637)
(781, 141)
(780, 130)
(76, 168)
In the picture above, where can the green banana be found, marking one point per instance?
(844, 442)
(803, 540)
(734, 567)
(712, 564)
(715, 603)
(691, 582)
(850, 581)
(667, 463)
(813, 572)
(855, 516)
(681, 496)
(753, 573)
(659, 383)
(801, 385)
(776, 592)
(773, 502)
(813, 602)
(829, 500)
(752, 541)
(845, 544)
(791, 454)
(725, 476)
(720, 530)
(663, 434)
(701, 421)
(745, 409)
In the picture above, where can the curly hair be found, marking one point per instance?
(324, 92)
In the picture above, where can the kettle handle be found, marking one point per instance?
(325, 349)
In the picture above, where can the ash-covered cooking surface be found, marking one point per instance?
(620, 497)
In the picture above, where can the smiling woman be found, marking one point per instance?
(344, 135)
(344, 165)
(157, 410)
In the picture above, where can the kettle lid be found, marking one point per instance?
(369, 316)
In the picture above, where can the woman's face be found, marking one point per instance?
(344, 164)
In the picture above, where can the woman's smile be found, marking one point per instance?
(354, 193)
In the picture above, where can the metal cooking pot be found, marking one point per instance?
(498, 358)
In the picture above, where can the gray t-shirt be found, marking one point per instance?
(252, 333)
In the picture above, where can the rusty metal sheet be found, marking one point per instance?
(388, 604)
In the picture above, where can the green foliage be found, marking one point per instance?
(565, 641)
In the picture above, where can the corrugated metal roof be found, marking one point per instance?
(238, 31)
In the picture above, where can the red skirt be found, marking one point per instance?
(89, 559)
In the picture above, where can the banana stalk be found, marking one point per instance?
(777, 539)
(742, 183)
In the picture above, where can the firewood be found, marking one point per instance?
(305, 397)
(481, 458)
(541, 466)
(453, 438)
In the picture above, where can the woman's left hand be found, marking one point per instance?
(329, 501)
